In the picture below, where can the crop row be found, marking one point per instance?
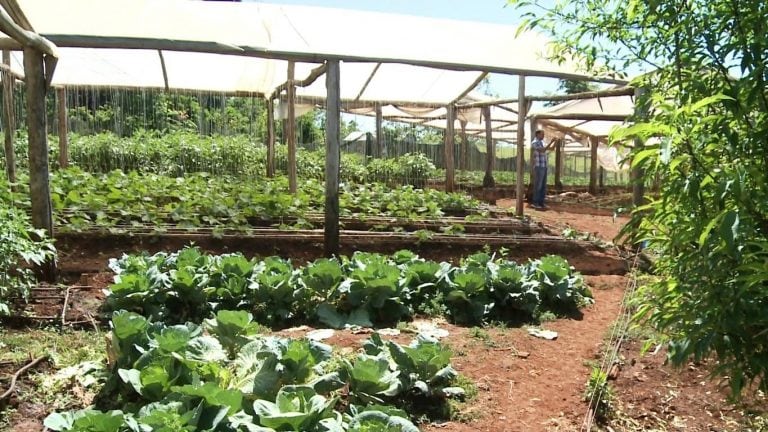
(82, 200)
(181, 153)
(224, 377)
(366, 289)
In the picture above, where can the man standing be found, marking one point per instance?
(539, 170)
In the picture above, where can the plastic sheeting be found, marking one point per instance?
(371, 44)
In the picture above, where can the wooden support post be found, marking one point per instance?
(490, 149)
(593, 143)
(39, 190)
(9, 119)
(61, 98)
(521, 114)
(449, 141)
(270, 137)
(638, 174)
(332, 158)
(291, 128)
(463, 146)
(380, 151)
(559, 164)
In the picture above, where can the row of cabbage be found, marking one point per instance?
(365, 289)
(223, 376)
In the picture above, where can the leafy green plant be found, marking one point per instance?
(19, 243)
(599, 394)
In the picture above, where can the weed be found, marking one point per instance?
(482, 335)
(599, 394)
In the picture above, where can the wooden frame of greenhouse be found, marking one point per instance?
(426, 69)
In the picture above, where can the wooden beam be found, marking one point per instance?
(311, 78)
(332, 158)
(593, 143)
(61, 98)
(39, 189)
(91, 41)
(582, 116)
(163, 69)
(9, 120)
(520, 178)
(290, 133)
(611, 92)
(380, 151)
(16, 13)
(270, 137)
(25, 38)
(449, 143)
(617, 91)
(368, 81)
(469, 89)
(490, 149)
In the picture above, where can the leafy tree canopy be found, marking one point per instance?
(706, 137)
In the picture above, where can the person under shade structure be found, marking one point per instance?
(540, 169)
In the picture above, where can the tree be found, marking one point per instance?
(707, 108)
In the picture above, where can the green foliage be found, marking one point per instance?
(365, 289)
(176, 378)
(117, 201)
(599, 394)
(706, 106)
(20, 246)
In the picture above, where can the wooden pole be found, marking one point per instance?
(449, 141)
(270, 137)
(380, 152)
(9, 120)
(638, 174)
(291, 128)
(593, 165)
(463, 146)
(61, 98)
(490, 149)
(559, 164)
(40, 195)
(520, 186)
(332, 158)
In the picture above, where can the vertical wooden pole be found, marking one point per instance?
(332, 158)
(61, 98)
(9, 120)
(490, 149)
(559, 164)
(380, 151)
(40, 194)
(593, 165)
(463, 146)
(291, 128)
(270, 137)
(638, 174)
(521, 114)
(449, 142)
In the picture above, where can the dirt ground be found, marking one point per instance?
(529, 384)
